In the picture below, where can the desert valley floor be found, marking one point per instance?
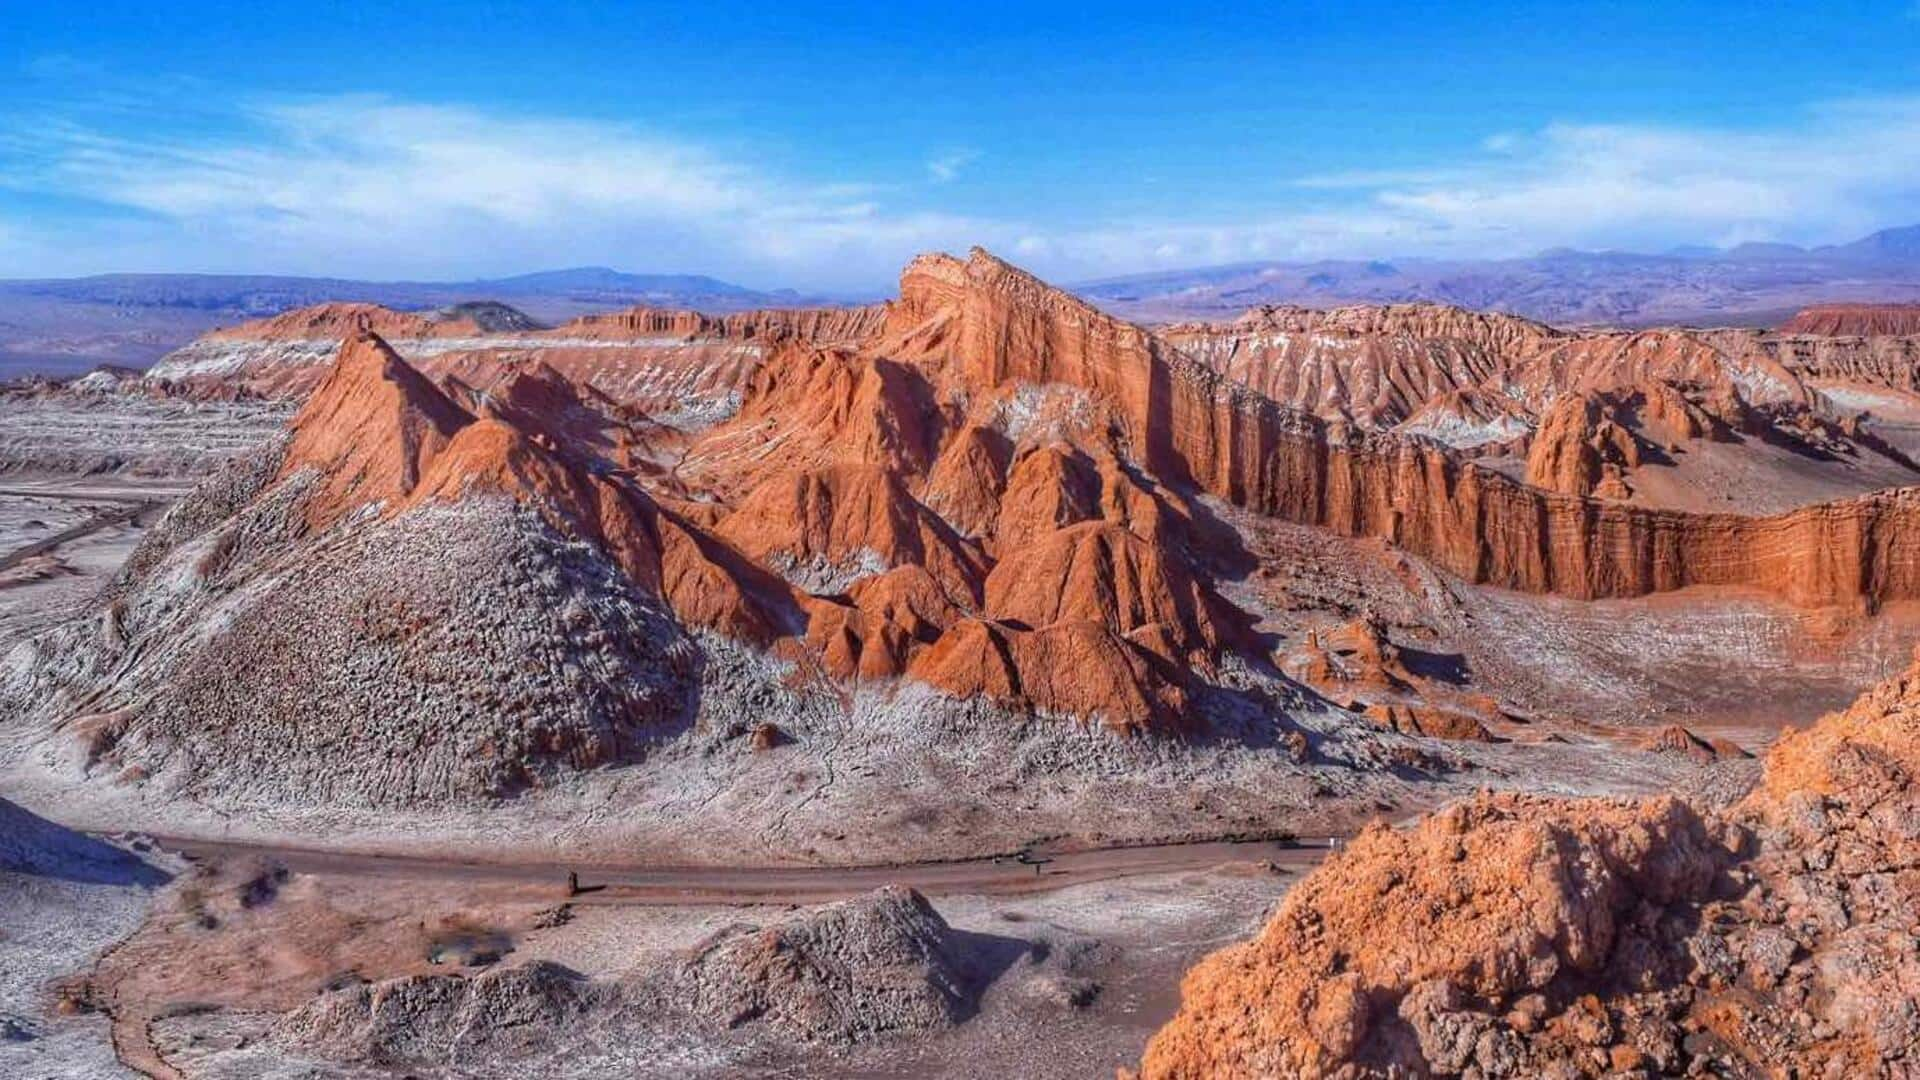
(924, 689)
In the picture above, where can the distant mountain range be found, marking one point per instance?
(71, 324)
(1752, 284)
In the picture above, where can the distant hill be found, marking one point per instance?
(1750, 285)
(71, 324)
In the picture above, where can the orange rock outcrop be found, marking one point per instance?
(816, 325)
(371, 429)
(1516, 935)
(345, 320)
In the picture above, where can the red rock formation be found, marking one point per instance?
(1048, 489)
(344, 321)
(377, 432)
(1515, 935)
(1378, 364)
(1669, 418)
(820, 326)
(1427, 721)
(966, 483)
(682, 365)
(1575, 443)
(884, 620)
(1674, 739)
(1367, 659)
(1471, 419)
(370, 430)
(1485, 528)
(1105, 574)
(1185, 423)
(826, 528)
(911, 598)
(708, 583)
(808, 408)
(998, 477)
(1068, 669)
(1358, 667)
(1854, 320)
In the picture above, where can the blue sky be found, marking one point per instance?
(820, 146)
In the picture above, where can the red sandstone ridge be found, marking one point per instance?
(1188, 425)
(681, 366)
(377, 434)
(1517, 935)
(343, 320)
(820, 325)
(1855, 320)
(1580, 451)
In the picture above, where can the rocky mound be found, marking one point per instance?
(883, 964)
(397, 582)
(436, 1021)
(490, 317)
(1525, 936)
(878, 966)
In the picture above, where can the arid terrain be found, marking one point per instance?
(922, 688)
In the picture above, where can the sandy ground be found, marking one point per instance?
(194, 993)
(65, 900)
(39, 591)
(50, 929)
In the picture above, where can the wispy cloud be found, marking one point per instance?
(369, 182)
(375, 186)
(1830, 173)
(945, 167)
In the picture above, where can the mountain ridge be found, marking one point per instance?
(1752, 284)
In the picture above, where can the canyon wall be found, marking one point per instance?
(1185, 422)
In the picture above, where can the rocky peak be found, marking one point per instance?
(370, 427)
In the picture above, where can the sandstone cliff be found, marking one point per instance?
(1187, 424)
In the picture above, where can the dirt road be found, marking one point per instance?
(1036, 870)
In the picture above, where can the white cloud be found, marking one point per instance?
(944, 168)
